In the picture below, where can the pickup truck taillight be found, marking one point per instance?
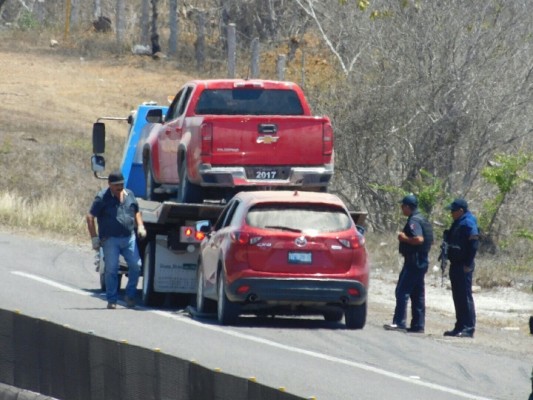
(206, 133)
(327, 139)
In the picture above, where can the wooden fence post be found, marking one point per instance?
(255, 58)
(280, 67)
(145, 23)
(303, 68)
(67, 19)
(232, 45)
(121, 20)
(173, 26)
(199, 44)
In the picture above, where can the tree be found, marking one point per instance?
(506, 173)
(437, 87)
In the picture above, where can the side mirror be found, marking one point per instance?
(155, 115)
(360, 229)
(97, 163)
(98, 138)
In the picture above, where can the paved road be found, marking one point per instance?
(308, 357)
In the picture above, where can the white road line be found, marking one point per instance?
(229, 332)
(51, 283)
(365, 367)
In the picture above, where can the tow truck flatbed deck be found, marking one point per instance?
(169, 212)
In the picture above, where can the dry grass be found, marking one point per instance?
(53, 214)
(511, 268)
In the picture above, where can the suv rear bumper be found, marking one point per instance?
(294, 176)
(303, 291)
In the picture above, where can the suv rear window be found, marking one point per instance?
(245, 101)
(300, 218)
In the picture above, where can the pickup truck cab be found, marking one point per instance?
(222, 136)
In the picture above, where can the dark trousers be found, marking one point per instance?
(411, 286)
(465, 311)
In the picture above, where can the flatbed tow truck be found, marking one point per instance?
(174, 230)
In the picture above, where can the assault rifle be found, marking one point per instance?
(443, 256)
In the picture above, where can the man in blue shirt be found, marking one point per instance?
(414, 244)
(462, 239)
(117, 213)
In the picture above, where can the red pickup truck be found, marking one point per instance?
(219, 137)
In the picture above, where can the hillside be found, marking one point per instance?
(50, 99)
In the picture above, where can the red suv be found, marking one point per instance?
(284, 252)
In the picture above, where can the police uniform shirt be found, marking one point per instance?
(463, 240)
(412, 228)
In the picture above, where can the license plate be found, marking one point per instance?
(300, 257)
(265, 174)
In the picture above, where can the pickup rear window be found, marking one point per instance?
(299, 218)
(246, 101)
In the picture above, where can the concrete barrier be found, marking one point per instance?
(39, 358)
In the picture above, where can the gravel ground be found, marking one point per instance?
(502, 313)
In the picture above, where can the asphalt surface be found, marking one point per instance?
(307, 356)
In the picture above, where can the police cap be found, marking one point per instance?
(410, 200)
(457, 204)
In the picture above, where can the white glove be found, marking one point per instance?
(141, 232)
(96, 242)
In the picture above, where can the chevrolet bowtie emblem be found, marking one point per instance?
(267, 139)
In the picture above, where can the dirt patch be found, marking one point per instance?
(502, 313)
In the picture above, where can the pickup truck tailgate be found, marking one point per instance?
(294, 140)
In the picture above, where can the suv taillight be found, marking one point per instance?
(244, 238)
(206, 133)
(239, 237)
(354, 242)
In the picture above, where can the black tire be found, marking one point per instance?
(333, 315)
(227, 312)
(150, 184)
(355, 316)
(203, 305)
(188, 192)
(150, 297)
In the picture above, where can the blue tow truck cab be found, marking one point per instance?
(132, 163)
(170, 251)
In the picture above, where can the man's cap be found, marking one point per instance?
(410, 200)
(115, 178)
(457, 204)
